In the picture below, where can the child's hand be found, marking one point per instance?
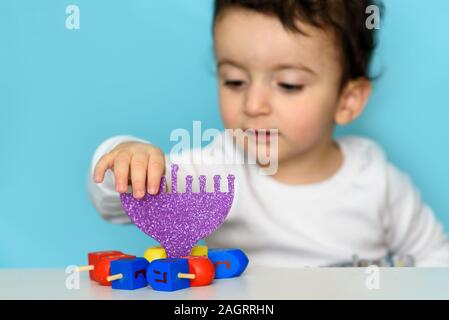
(146, 163)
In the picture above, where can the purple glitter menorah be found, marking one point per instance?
(179, 220)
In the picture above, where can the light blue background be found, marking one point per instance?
(146, 67)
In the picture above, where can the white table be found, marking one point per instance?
(255, 283)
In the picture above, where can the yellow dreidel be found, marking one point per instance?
(155, 253)
(158, 252)
(199, 251)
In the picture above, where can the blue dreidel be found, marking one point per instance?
(129, 274)
(169, 274)
(228, 263)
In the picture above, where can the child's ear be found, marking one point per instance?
(352, 101)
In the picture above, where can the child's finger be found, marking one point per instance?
(102, 166)
(121, 171)
(156, 168)
(139, 165)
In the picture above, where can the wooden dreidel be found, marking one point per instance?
(158, 252)
(103, 268)
(203, 269)
(228, 263)
(93, 258)
(128, 274)
(169, 274)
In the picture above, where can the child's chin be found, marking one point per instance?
(262, 152)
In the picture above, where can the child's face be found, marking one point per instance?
(270, 78)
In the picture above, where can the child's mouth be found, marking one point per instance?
(262, 135)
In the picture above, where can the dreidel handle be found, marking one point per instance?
(114, 277)
(186, 276)
(84, 268)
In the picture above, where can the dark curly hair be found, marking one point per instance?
(346, 18)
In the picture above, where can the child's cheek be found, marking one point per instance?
(230, 119)
(304, 126)
(228, 115)
(230, 112)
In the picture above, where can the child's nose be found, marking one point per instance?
(257, 100)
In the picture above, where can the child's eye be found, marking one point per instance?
(291, 87)
(233, 83)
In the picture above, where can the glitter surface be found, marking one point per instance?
(179, 220)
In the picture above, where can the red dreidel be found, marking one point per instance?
(203, 269)
(93, 258)
(103, 268)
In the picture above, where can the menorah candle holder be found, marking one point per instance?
(179, 220)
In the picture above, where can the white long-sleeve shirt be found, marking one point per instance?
(368, 208)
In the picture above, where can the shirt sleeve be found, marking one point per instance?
(412, 228)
